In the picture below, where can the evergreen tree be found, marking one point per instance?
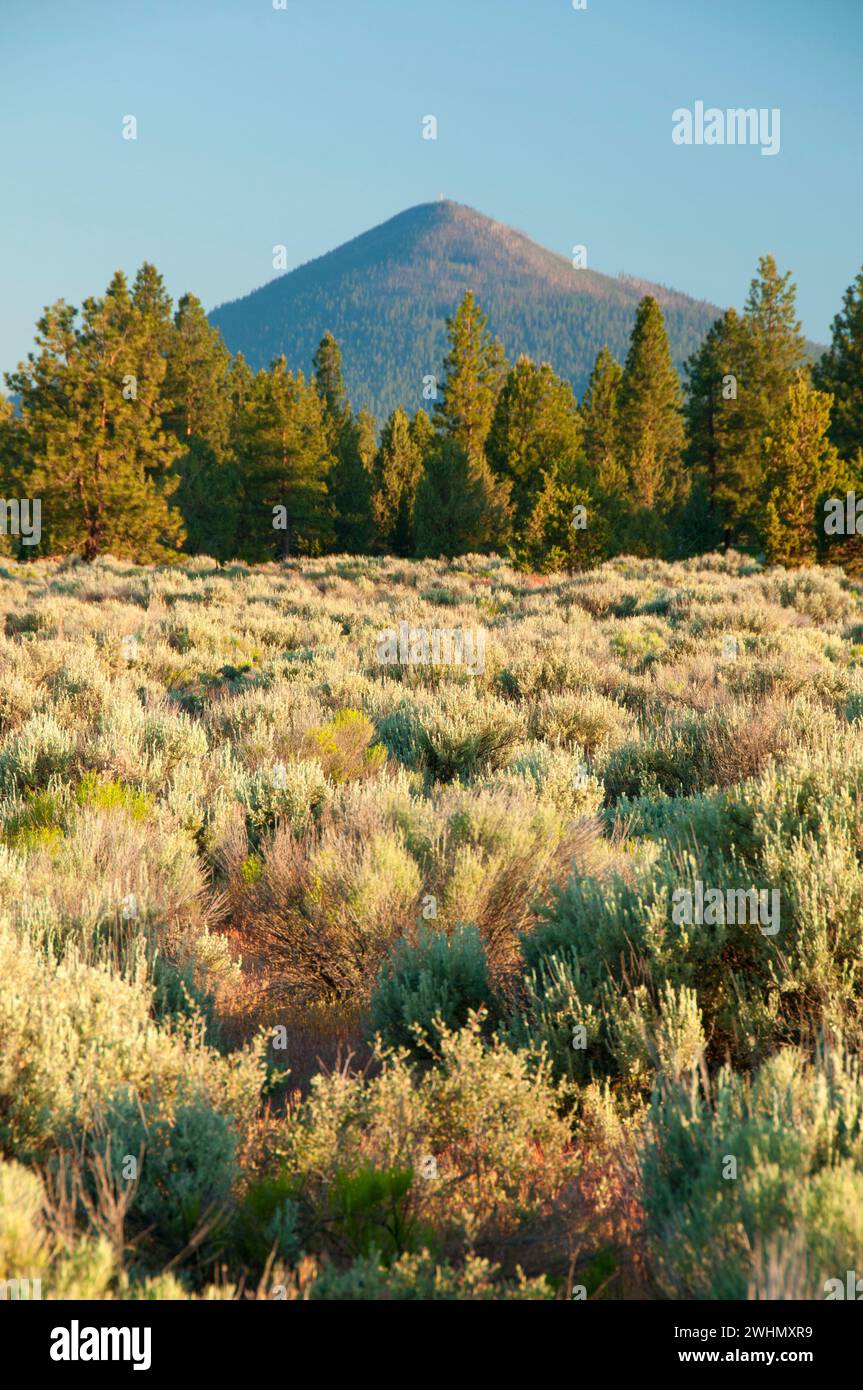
(604, 473)
(650, 433)
(199, 415)
(9, 445)
(535, 433)
(241, 384)
(96, 453)
(714, 427)
(771, 318)
(422, 434)
(840, 371)
(599, 422)
(839, 541)
(351, 441)
(197, 380)
(773, 351)
(474, 371)
(459, 506)
(801, 467)
(153, 304)
(330, 386)
(398, 468)
(351, 482)
(284, 462)
(566, 529)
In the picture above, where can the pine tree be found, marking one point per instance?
(330, 386)
(398, 468)
(422, 434)
(351, 441)
(773, 351)
(351, 483)
(197, 378)
(771, 318)
(199, 415)
(604, 473)
(153, 304)
(599, 409)
(9, 446)
(566, 529)
(801, 467)
(241, 383)
(714, 427)
(284, 461)
(459, 506)
(535, 432)
(840, 371)
(474, 369)
(650, 423)
(96, 453)
(838, 542)
(650, 433)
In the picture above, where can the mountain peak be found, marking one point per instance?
(387, 293)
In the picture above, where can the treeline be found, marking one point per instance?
(144, 438)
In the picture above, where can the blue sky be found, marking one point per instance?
(303, 127)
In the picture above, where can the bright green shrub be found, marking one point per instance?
(37, 822)
(109, 794)
(370, 1210)
(344, 746)
(267, 1222)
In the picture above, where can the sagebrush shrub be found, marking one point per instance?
(72, 1033)
(39, 750)
(777, 1157)
(438, 980)
(186, 1163)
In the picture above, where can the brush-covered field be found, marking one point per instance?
(330, 977)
